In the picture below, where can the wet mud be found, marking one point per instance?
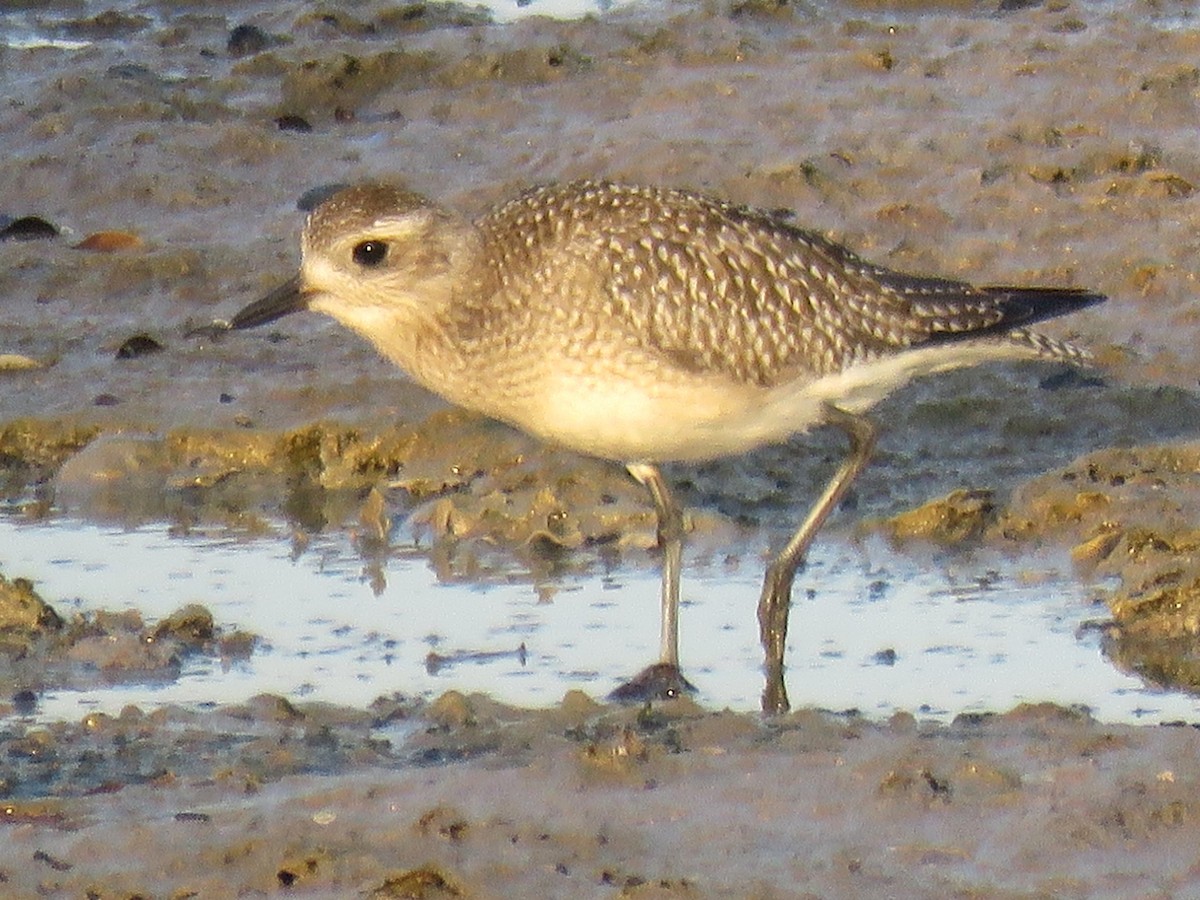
(463, 797)
(42, 650)
(153, 161)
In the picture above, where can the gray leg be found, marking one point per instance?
(670, 538)
(777, 586)
(663, 679)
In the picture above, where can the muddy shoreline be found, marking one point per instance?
(485, 801)
(1044, 143)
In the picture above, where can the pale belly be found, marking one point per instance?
(699, 419)
(694, 423)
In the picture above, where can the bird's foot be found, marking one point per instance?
(661, 681)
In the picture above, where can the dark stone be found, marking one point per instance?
(138, 345)
(290, 122)
(24, 702)
(192, 626)
(247, 40)
(22, 610)
(885, 657)
(135, 72)
(28, 228)
(1007, 6)
(1070, 377)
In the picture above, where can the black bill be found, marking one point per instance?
(287, 298)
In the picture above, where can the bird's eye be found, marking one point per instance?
(369, 254)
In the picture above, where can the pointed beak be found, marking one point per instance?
(287, 298)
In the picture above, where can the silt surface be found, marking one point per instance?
(1040, 143)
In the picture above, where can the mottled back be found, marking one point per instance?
(716, 287)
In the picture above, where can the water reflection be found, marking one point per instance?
(871, 629)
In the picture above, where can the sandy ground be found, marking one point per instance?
(1052, 144)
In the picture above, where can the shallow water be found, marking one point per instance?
(870, 629)
(42, 26)
(1050, 144)
(1069, 183)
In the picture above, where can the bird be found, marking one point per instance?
(647, 325)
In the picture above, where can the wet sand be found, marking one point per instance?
(1052, 144)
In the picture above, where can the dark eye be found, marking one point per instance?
(369, 254)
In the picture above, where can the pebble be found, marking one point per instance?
(138, 345)
(28, 228)
(247, 40)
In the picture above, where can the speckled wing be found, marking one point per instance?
(717, 287)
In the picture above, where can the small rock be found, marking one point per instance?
(237, 645)
(885, 657)
(417, 884)
(451, 710)
(191, 626)
(306, 867)
(247, 40)
(136, 73)
(15, 362)
(24, 702)
(272, 708)
(578, 705)
(21, 609)
(962, 515)
(28, 228)
(422, 16)
(138, 345)
(109, 241)
(289, 122)
(1095, 550)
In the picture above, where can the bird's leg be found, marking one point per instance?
(670, 539)
(777, 585)
(664, 678)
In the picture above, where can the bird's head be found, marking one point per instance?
(374, 256)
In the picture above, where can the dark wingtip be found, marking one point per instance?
(1024, 306)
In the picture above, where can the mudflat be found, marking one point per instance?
(153, 156)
